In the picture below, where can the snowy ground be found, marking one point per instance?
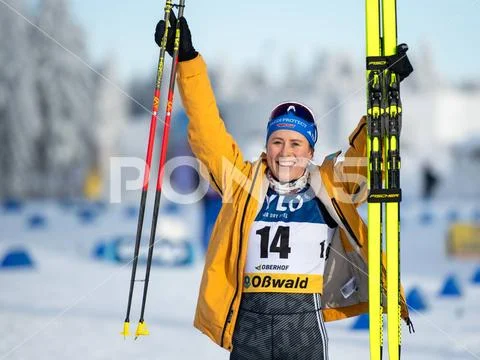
(71, 306)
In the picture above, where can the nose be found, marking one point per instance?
(285, 152)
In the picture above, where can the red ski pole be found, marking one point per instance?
(148, 162)
(142, 328)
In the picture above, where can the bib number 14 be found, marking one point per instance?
(279, 244)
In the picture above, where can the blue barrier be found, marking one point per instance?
(131, 212)
(476, 276)
(476, 215)
(416, 300)
(171, 208)
(452, 215)
(106, 251)
(166, 253)
(66, 203)
(362, 322)
(99, 250)
(18, 258)
(12, 205)
(100, 205)
(451, 287)
(426, 218)
(36, 221)
(87, 215)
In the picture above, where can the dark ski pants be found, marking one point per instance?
(278, 326)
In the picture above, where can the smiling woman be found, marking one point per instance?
(291, 138)
(288, 154)
(289, 249)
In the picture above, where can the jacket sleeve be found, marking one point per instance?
(350, 169)
(209, 140)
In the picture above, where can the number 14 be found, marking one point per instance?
(281, 243)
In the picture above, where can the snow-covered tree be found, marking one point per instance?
(111, 112)
(19, 118)
(65, 95)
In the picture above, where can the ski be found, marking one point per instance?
(374, 77)
(392, 114)
(383, 148)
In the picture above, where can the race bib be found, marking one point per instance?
(289, 243)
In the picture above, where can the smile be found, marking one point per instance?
(286, 163)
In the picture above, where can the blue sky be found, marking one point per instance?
(249, 32)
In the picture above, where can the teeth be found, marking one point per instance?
(286, 163)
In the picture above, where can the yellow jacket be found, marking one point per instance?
(340, 183)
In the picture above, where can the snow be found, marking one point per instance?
(71, 305)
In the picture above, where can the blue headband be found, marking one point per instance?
(292, 122)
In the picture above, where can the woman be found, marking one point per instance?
(288, 249)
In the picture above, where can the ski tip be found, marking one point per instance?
(141, 330)
(126, 329)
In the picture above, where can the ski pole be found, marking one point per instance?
(146, 176)
(142, 328)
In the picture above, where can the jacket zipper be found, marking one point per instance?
(344, 221)
(215, 181)
(216, 184)
(230, 311)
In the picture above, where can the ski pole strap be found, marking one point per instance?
(384, 195)
(178, 5)
(409, 322)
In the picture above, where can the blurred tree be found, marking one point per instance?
(66, 99)
(19, 118)
(141, 88)
(111, 114)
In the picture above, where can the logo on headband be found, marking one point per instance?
(293, 122)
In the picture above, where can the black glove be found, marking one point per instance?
(400, 63)
(186, 50)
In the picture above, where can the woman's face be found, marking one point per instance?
(288, 153)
